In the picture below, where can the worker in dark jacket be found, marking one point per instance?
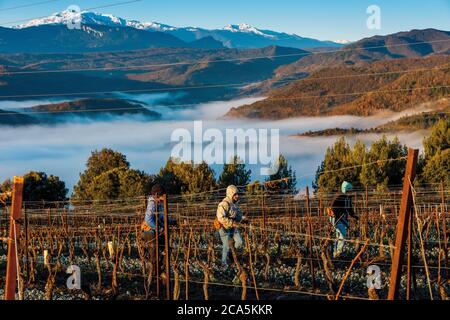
(154, 213)
(341, 209)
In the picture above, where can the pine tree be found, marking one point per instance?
(439, 139)
(361, 166)
(284, 179)
(436, 160)
(202, 179)
(332, 170)
(234, 173)
(179, 177)
(379, 170)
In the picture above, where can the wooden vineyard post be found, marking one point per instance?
(167, 247)
(116, 257)
(408, 268)
(14, 232)
(444, 227)
(264, 218)
(395, 202)
(310, 233)
(26, 242)
(367, 201)
(321, 211)
(366, 219)
(403, 224)
(157, 247)
(288, 208)
(295, 211)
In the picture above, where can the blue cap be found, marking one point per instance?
(346, 186)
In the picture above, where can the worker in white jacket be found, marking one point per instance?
(228, 218)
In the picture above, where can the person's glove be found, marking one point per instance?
(236, 224)
(245, 221)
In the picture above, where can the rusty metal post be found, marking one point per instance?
(402, 224)
(14, 232)
(310, 233)
(167, 247)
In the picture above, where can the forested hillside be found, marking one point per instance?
(392, 85)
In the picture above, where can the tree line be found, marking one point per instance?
(380, 166)
(109, 176)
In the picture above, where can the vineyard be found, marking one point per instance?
(285, 255)
(168, 152)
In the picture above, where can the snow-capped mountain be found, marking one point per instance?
(87, 17)
(62, 17)
(244, 27)
(344, 42)
(58, 38)
(232, 36)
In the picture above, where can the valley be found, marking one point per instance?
(210, 150)
(135, 82)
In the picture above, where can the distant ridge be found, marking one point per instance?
(341, 90)
(231, 36)
(410, 44)
(88, 109)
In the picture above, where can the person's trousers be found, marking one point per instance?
(341, 233)
(149, 237)
(225, 236)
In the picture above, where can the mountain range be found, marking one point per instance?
(103, 60)
(411, 44)
(105, 32)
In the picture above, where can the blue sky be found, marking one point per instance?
(326, 19)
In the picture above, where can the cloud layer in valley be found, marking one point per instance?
(63, 150)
